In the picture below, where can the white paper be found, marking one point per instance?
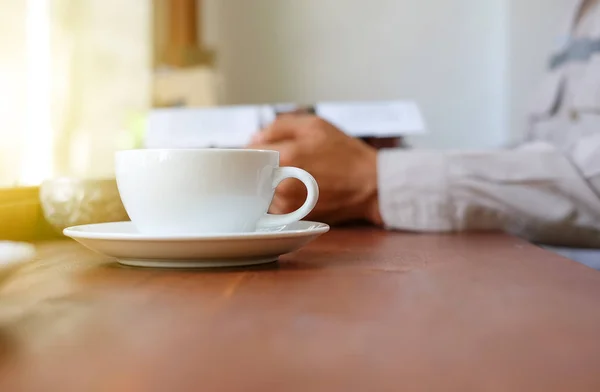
(376, 119)
(196, 128)
(233, 126)
(12, 253)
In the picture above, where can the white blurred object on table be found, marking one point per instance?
(12, 253)
(70, 201)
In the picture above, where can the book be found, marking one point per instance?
(233, 126)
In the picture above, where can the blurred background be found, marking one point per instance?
(77, 77)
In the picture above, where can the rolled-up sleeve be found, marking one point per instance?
(535, 192)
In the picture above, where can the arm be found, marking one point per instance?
(536, 193)
(533, 191)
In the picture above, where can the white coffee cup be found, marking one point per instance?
(200, 191)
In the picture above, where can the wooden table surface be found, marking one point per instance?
(357, 310)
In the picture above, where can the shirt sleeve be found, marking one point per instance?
(533, 191)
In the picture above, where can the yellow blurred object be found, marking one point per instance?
(20, 213)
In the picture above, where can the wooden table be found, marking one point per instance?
(357, 310)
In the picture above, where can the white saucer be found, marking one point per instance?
(122, 241)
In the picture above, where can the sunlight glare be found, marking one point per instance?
(38, 155)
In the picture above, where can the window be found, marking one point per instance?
(75, 82)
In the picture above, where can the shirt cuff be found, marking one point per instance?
(413, 190)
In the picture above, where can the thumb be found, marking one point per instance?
(283, 128)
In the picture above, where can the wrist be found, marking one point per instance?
(373, 214)
(371, 208)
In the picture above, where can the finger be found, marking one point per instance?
(291, 189)
(320, 213)
(323, 212)
(331, 217)
(280, 206)
(284, 127)
(283, 204)
(267, 146)
(288, 152)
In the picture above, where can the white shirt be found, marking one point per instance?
(546, 190)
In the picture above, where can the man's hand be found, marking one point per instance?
(345, 169)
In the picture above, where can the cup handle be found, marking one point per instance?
(281, 173)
